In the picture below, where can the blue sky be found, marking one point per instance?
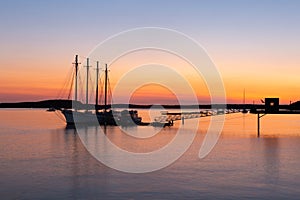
(90, 21)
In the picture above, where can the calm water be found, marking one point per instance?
(41, 159)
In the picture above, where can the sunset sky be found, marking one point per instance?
(254, 44)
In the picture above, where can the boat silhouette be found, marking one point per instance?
(104, 116)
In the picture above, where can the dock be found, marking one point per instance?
(262, 113)
(271, 107)
(170, 117)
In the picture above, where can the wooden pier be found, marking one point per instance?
(262, 113)
(271, 107)
(174, 116)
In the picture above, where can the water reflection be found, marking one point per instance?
(83, 165)
(271, 147)
(42, 160)
(71, 140)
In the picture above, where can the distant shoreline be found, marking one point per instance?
(67, 104)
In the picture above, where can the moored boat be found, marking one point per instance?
(102, 117)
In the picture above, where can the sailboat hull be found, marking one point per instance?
(75, 117)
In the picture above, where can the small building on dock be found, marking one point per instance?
(271, 105)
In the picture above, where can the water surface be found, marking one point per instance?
(41, 159)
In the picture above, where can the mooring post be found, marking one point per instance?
(258, 125)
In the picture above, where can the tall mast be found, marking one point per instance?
(76, 72)
(244, 96)
(244, 102)
(87, 81)
(105, 89)
(97, 74)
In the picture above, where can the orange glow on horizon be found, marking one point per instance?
(30, 84)
(155, 94)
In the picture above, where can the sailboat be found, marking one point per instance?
(102, 117)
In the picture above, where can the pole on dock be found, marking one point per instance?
(258, 123)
